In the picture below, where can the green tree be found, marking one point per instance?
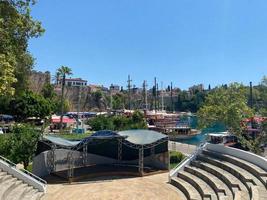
(16, 28)
(24, 141)
(48, 91)
(118, 123)
(62, 72)
(97, 97)
(228, 106)
(28, 105)
(5, 145)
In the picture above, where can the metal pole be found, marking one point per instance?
(162, 98)
(111, 101)
(155, 95)
(171, 98)
(78, 108)
(129, 91)
(251, 95)
(141, 161)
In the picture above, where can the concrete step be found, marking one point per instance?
(228, 168)
(9, 190)
(229, 179)
(204, 189)
(189, 191)
(215, 183)
(33, 194)
(249, 170)
(5, 177)
(6, 184)
(17, 192)
(244, 163)
(2, 173)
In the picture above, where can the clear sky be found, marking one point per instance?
(184, 41)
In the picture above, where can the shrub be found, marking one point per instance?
(176, 157)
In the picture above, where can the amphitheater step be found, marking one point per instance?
(17, 192)
(189, 191)
(232, 169)
(246, 174)
(251, 168)
(203, 188)
(33, 195)
(225, 176)
(261, 171)
(215, 183)
(9, 190)
(9, 181)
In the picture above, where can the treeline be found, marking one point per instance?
(118, 123)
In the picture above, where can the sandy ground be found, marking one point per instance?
(142, 188)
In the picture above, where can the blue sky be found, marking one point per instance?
(184, 41)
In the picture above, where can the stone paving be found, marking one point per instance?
(141, 188)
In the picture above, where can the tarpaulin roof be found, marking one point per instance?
(138, 137)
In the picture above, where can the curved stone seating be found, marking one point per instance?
(214, 175)
(13, 189)
(206, 178)
(254, 181)
(189, 191)
(250, 167)
(202, 187)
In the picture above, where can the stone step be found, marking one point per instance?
(215, 183)
(17, 192)
(190, 192)
(225, 176)
(247, 175)
(229, 168)
(6, 184)
(4, 178)
(243, 163)
(3, 173)
(33, 194)
(247, 169)
(204, 189)
(9, 190)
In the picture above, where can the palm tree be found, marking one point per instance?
(62, 72)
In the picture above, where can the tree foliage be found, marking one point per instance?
(24, 141)
(227, 106)
(118, 123)
(20, 145)
(16, 28)
(29, 104)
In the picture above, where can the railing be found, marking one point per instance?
(187, 160)
(11, 164)
(23, 171)
(33, 176)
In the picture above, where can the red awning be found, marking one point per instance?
(65, 120)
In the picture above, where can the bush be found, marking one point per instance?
(118, 123)
(176, 157)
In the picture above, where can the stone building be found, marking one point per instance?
(38, 79)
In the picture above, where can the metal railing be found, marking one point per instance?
(11, 164)
(191, 157)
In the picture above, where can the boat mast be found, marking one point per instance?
(145, 94)
(129, 91)
(162, 99)
(155, 95)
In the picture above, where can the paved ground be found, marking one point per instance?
(142, 188)
(186, 149)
